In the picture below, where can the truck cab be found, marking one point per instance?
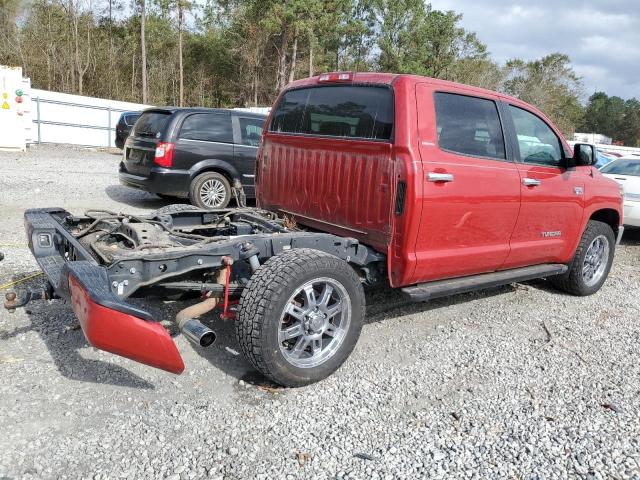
(446, 180)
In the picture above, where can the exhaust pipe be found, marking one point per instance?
(198, 333)
(195, 331)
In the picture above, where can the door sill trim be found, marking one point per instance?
(440, 288)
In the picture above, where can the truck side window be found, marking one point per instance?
(537, 142)
(251, 131)
(208, 127)
(469, 125)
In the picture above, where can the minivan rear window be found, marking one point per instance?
(131, 118)
(336, 111)
(150, 124)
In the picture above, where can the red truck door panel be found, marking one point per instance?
(552, 197)
(471, 188)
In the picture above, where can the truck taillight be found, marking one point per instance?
(336, 77)
(164, 154)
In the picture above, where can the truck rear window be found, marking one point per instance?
(150, 124)
(336, 111)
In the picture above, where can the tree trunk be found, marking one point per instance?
(310, 56)
(294, 55)
(282, 65)
(255, 86)
(133, 75)
(180, 66)
(143, 52)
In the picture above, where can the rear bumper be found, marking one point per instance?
(121, 333)
(160, 180)
(108, 322)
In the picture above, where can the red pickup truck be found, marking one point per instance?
(369, 178)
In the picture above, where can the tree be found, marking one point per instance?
(414, 38)
(180, 6)
(143, 50)
(550, 84)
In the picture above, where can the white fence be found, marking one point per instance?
(78, 120)
(75, 119)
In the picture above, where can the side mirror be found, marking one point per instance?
(584, 155)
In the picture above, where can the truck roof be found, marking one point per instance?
(390, 78)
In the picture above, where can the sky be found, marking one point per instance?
(602, 37)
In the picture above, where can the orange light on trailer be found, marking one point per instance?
(336, 77)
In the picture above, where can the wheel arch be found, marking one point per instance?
(218, 166)
(609, 216)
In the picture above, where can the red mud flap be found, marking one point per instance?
(124, 334)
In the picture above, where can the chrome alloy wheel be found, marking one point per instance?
(213, 193)
(314, 323)
(595, 260)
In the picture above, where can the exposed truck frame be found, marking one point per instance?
(98, 260)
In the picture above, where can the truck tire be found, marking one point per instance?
(591, 262)
(300, 316)
(174, 208)
(210, 190)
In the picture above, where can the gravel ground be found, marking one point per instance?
(515, 382)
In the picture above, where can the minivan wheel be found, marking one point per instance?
(210, 190)
(300, 316)
(591, 262)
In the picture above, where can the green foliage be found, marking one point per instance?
(614, 117)
(550, 84)
(241, 52)
(414, 38)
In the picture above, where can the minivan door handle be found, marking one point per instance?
(439, 177)
(530, 182)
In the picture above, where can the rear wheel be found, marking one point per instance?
(591, 262)
(210, 190)
(300, 316)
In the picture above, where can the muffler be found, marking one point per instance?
(195, 331)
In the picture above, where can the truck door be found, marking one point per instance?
(472, 187)
(550, 217)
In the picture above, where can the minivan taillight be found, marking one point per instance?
(164, 154)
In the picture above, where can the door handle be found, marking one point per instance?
(439, 177)
(530, 182)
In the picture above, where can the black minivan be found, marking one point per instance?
(123, 127)
(195, 153)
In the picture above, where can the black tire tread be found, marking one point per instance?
(175, 208)
(572, 282)
(267, 283)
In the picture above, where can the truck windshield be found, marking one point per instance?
(336, 111)
(150, 124)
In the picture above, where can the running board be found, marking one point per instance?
(441, 288)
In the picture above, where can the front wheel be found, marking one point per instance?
(591, 262)
(300, 316)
